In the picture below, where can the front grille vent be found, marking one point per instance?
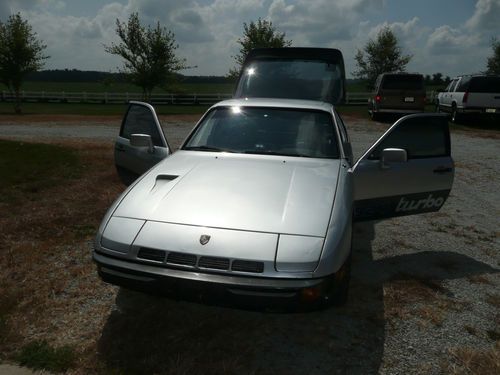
(247, 266)
(182, 259)
(151, 254)
(214, 262)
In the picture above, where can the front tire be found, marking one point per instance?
(455, 116)
(340, 289)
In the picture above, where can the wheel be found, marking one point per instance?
(340, 288)
(373, 115)
(455, 116)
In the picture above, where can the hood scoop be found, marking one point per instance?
(161, 180)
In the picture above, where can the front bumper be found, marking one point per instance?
(214, 288)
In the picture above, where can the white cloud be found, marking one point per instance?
(207, 30)
(486, 16)
(447, 40)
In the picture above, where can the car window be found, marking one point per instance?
(485, 84)
(421, 137)
(140, 120)
(463, 84)
(403, 82)
(272, 131)
(453, 85)
(292, 78)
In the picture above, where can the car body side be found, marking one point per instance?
(459, 100)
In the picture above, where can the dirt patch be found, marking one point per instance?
(423, 298)
(45, 258)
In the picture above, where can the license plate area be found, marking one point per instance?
(409, 99)
(491, 110)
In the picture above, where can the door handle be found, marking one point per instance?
(441, 170)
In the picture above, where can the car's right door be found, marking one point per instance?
(408, 171)
(132, 160)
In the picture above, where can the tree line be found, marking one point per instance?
(150, 59)
(76, 75)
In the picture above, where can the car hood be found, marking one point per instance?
(287, 195)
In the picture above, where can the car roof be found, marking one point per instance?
(276, 103)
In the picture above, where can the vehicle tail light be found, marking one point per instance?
(466, 96)
(378, 98)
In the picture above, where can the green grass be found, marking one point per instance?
(39, 355)
(28, 168)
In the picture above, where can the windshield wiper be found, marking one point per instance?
(263, 152)
(206, 148)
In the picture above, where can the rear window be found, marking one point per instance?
(403, 82)
(485, 84)
(292, 78)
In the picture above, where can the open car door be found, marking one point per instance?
(408, 171)
(141, 143)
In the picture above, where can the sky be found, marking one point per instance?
(448, 36)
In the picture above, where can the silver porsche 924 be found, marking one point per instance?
(260, 199)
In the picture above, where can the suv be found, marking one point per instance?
(470, 94)
(402, 93)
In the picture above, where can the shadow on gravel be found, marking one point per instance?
(146, 334)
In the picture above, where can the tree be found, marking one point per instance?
(260, 34)
(437, 79)
(493, 63)
(149, 54)
(21, 53)
(380, 56)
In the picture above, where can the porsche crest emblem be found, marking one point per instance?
(204, 238)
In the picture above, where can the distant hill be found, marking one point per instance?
(74, 75)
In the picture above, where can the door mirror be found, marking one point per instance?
(142, 140)
(392, 155)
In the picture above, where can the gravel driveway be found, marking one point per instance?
(425, 290)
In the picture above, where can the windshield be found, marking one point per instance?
(291, 78)
(266, 131)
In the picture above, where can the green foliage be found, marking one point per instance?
(21, 53)
(28, 168)
(260, 34)
(149, 54)
(40, 355)
(380, 55)
(493, 63)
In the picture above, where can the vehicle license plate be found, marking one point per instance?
(490, 110)
(409, 99)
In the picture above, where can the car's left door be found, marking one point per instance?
(141, 143)
(408, 171)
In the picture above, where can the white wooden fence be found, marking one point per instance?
(355, 98)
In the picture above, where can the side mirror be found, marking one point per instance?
(392, 155)
(142, 140)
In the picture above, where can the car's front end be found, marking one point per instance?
(256, 224)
